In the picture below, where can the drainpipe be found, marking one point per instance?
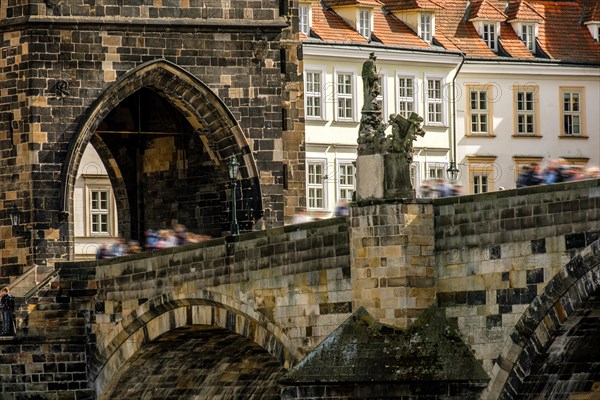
(452, 169)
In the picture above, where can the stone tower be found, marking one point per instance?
(166, 92)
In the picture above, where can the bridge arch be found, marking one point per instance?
(168, 313)
(550, 319)
(212, 122)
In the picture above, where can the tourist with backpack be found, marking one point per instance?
(7, 306)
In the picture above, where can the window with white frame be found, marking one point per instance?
(528, 36)
(436, 170)
(425, 27)
(406, 95)
(435, 104)
(479, 111)
(345, 109)
(526, 110)
(316, 184)
(364, 23)
(490, 36)
(571, 111)
(303, 17)
(313, 94)
(346, 180)
(99, 211)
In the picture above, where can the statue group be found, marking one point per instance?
(396, 148)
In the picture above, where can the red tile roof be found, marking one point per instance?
(403, 5)
(512, 44)
(391, 31)
(562, 36)
(523, 11)
(330, 27)
(334, 3)
(592, 10)
(484, 9)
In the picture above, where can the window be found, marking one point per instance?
(434, 102)
(99, 211)
(345, 99)
(316, 189)
(436, 170)
(314, 95)
(481, 173)
(303, 17)
(364, 23)
(489, 36)
(479, 111)
(425, 28)
(571, 111)
(480, 183)
(528, 36)
(346, 179)
(406, 96)
(526, 118)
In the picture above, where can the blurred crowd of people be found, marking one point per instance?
(153, 240)
(439, 188)
(556, 171)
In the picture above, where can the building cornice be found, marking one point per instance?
(354, 51)
(133, 24)
(529, 68)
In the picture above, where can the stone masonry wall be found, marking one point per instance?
(57, 63)
(393, 260)
(296, 276)
(497, 251)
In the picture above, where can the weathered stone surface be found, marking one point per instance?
(430, 355)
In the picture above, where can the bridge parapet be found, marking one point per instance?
(496, 252)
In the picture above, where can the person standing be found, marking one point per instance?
(7, 305)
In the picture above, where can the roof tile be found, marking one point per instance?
(522, 11)
(391, 31)
(403, 5)
(330, 27)
(484, 9)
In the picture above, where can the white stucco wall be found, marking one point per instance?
(334, 141)
(549, 145)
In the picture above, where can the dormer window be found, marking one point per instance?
(490, 35)
(364, 23)
(304, 19)
(528, 36)
(426, 27)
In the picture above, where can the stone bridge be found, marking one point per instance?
(511, 276)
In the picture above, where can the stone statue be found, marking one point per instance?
(404, 133)
(371, 136)
(383, 163)
(371, 87)
(400, 155)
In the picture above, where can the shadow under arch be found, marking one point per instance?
(203, 109)
(169, 312)
(540, 324)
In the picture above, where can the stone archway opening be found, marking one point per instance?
(164, 139)
(198, 362)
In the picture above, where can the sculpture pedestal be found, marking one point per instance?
(396, 180)
(369, 177)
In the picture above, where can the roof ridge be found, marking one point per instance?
(532, 8)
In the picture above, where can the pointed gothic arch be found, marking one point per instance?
(209, 117)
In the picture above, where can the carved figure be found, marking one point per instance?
(371, 136)
(371, 87)
(404, 133)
